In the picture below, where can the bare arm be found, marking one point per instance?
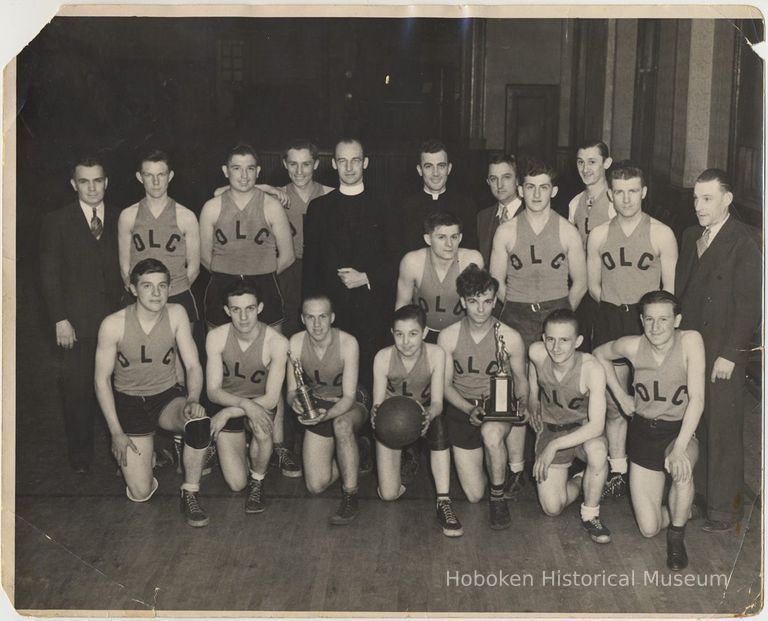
(188, 351)
(667, 246)
(406, 280)
(190, 228)
(625, 347)
(693, 351)
(437, 381)
(276, 350)
(516, 349)
(350, 355)
(577, 264)
(124, 226)
(447, 340)
(503, 238)
(208, 217)
(594, 267)
(534, 404)
(281, 229)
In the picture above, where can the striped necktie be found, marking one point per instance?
(703, 242)
(97, 228)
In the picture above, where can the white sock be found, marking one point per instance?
(516, 466)
(589, 513)
(618, 464)
(256, 476)
(191, 487)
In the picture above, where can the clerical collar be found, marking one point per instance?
(434, 195)
(351, 190)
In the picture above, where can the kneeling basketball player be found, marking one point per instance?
(244, 373)
(568, 414)
(138, 345)
(668, 366)
(329, 358)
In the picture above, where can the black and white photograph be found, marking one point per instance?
(384, 311)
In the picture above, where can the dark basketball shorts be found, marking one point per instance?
(325, 429)
(563, 458)
(528, 319)
(461, 433)
(648, 439)
(138, 416)
(266, 285)
(432, 336)
(613, 322)
(237, 423)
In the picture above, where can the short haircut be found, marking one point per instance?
(561, 315)
(433, 145)
(716, 174)
(598, 144)
(242, 148)
(148, 266)
(659, 297)
(625, 169)
(87, 161)
(318, 296)
(408, 312)
(505, 158)
(535, 167)
(348, 140)
(155, 156)
(441, 218)
(302, 144)
(475, 281)
(240, 287)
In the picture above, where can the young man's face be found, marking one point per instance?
(89, 182)
(434, 169)
(591, 165)
(350, 163)
(444, 241)
(561, 341)
(151, 290)
(627, 196)
(710, 202)
(244, 311)
(480, 306)
(242, 172)
(503, 182)
(318, 317)
(300, 166)
(155, 177)
(538, 192)
(409, 336)
(659, 322)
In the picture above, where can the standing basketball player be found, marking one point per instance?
(138, 345)
(533, 258)
(568, 413)
(470, 347)
(330, 359)
(626, 257)
(245, 372)
(669, 398)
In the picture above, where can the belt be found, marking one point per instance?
(652, 423)
(565, 427)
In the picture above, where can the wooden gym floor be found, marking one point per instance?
(81, 545)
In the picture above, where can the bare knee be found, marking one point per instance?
(492, 435)
(342, 427)
(474, 496)
(648, 530)
(315, 487)
(552, 509)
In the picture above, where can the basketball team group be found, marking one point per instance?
(329, 308)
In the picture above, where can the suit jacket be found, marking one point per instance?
(487, 223)
(721, 292)
(80, 274)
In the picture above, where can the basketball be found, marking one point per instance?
(399, 421)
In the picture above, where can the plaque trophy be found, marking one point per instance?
(303, 393)
(501, 405)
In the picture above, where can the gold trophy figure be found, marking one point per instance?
(303, 393)
(502, 405)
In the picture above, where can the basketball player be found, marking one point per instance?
(158, 227)
(244, 373)
(533, 257)
(668, 381)
(330, 359)
(470, 347)
(138, 345)
(415, 369)
(587, 210)
(568, 413)
(627, 256)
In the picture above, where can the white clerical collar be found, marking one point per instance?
(433, 194)
(352, 190)
(509, 210)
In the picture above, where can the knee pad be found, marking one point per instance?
(155, 485)
(197, 433)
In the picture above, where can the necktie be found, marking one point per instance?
(703, 242)
(504, 215)
(96, 225)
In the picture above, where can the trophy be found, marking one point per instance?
(502, 405)
(303, 393)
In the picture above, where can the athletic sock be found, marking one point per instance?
(589, 513)
(441, 497)
(516, 466)
(618, 464)
(351, 492)
(256, 476)
(497, 491)
(191, 487)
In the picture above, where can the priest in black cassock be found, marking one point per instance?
(347, 255)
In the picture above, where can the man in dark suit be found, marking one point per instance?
(81, 281)
(502, 179)
(718, 280)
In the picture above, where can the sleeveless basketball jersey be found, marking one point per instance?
(661, 390)
(296, 210)
(324, 375)
(437, 298)
(146, 363)
(416, 383)
(538, 264)
(243, 242)
(587, 217)
(630, 266)
(473, 363)
(562, 401)
(244, 372)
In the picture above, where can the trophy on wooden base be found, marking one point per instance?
(303, 393)
(501, 405)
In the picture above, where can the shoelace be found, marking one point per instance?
(285, 457)
(255, 492)
(447, 510)
(192, 504)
